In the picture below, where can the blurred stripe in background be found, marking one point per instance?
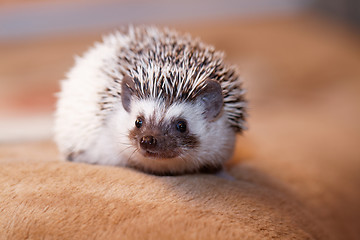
(58, 17)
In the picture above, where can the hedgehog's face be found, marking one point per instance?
(181, 137)
(160, 134)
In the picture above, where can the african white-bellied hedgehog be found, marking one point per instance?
(150, 99)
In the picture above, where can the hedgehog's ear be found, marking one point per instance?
(127, 86)
(211, 98)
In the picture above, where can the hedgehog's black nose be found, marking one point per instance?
(148, 142)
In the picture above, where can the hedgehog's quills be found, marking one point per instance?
(153, 100)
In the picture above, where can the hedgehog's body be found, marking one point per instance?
(153, 100)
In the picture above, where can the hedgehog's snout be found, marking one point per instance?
(157, 146)
(148, 143)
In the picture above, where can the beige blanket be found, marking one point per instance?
(59, 200)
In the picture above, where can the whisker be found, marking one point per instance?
(132, 154)
(184, 160)
(123, 143)
(125, 149)
(183, 157)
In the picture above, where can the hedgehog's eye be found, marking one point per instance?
(138, 122)
(181, 126)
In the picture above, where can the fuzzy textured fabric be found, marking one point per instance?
(59, 200)
(42, 197)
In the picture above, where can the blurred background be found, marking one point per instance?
(290, 42)
(281, 46)
(299, 59)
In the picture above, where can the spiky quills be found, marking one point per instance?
(166, 65)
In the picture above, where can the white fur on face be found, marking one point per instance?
(215, 138)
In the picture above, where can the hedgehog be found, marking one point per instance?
(151, 99)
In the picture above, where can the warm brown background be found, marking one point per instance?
(303, 78)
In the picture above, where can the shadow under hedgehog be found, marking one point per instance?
(151, 99)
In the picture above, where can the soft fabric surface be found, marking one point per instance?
(74, 201)
(296, 171)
